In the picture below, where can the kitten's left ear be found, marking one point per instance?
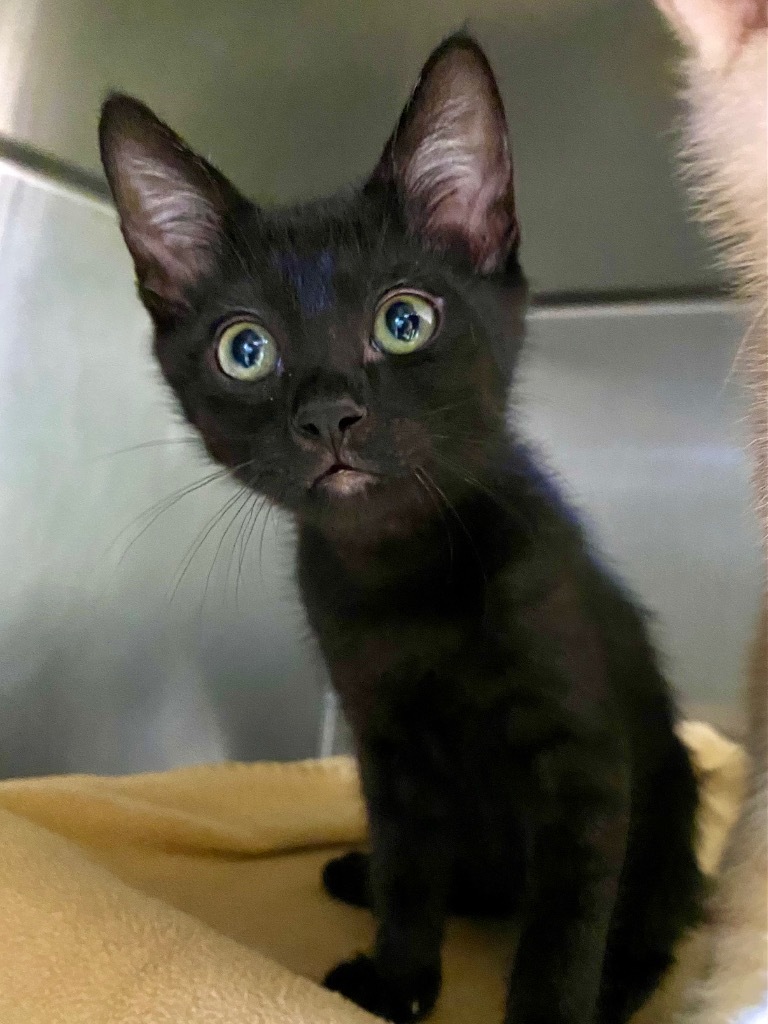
(449, 157)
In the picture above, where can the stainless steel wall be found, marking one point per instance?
(107, 661)
(639, 412)
(113, 656)
(294, 98)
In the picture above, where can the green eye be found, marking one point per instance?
(245, 351)
(404, 322)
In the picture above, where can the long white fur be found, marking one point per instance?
(726, 161)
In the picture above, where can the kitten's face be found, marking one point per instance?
(348, 360)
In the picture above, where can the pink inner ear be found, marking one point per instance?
(171, 226)
(479, 218)
(455, 170)
(715, 28)
(169, 273)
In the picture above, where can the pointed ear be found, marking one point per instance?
(715, 28)
(171, 202)
(449, 157)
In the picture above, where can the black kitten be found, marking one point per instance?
(351, 360)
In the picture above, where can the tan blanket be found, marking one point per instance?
(194, 896)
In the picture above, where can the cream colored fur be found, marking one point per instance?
(726, 160)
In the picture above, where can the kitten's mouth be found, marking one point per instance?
(343, 479)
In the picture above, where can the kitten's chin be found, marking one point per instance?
(343, 482)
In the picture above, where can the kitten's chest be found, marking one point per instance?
(434, 750)
(443, 698)
(393, 665)
(375, 632)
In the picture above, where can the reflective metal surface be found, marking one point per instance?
(112, 657)
(637, 410)
(296, 98)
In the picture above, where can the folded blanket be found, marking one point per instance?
(194, 896)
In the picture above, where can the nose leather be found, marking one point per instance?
(327, 420)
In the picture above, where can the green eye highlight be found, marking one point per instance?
(404, 322)
(246, 352)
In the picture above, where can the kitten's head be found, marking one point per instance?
(346, 358)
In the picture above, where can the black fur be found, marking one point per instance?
(514, 733)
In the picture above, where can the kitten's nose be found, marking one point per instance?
(327, 420)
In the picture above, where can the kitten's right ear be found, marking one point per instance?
(171, 202)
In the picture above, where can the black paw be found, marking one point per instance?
(346, 879)
(402, 1002)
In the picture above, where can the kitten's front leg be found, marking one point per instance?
(576, 854)
(411, 860)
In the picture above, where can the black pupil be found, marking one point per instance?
(247, 348)
(403, 322)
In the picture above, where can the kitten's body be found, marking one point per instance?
(515, 737)
(726, 156)
(492, 682)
